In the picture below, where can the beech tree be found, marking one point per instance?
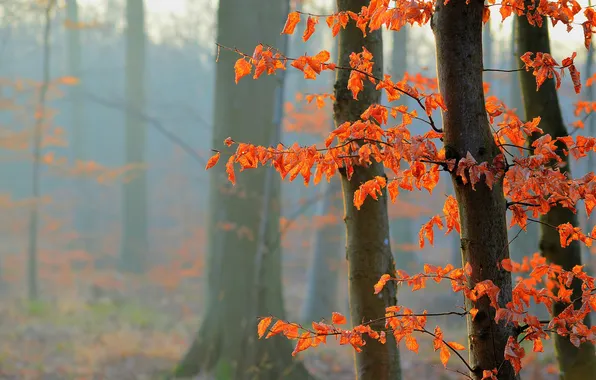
(134, 205)
(244, 259)
(476, 137)
(574, 362)
(368, 248)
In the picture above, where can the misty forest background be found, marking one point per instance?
(106, 124)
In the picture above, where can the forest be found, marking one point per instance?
(297, 189)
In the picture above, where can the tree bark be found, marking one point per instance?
(135, 244)
(368, 249)
(82, 212)
(574, 363)
(457, 27)
(323, 272)
(321, 296)
(401, 228)
(32, 254)
(244, 260)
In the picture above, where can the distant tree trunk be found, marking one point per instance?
(401, 228)
(574, 363)
(244, 275)
(488, 50)
(368, 248)
(323, 272)
(587, 256)
(399, 54)
(457, 27)
(523, 243)
(134, 244)
(77, 111)
(32, 269)
(322, 277)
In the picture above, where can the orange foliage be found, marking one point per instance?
(532, 183)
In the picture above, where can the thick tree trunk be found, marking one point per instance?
(368, 249)
(244, 276)
(457, 27)
(134, 225)
(574, 363)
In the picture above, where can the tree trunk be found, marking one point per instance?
(321, 296)
(591, 92)
(457, 27)
(244, 276)
(32, 269)
(574, 363)
(401, 228)
(323, 272)
(368, 249)
(134, 234)
(523, 243)
(82, 214)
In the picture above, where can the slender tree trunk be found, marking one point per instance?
(134, 235)
(457, 27)
(77, 111)
(32, 270)
(401, 228)
(368, 249)
(574, 363)
(321, 296)
(587, 256)
(523, 243)
(488, 51)
(244, 277)
(323, 272)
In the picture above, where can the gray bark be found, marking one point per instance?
(574, 363)
(32, 269)
(458, 35)
(134, 245)
(244, 270)
(368, 249)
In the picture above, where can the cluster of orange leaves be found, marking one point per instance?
(532, 183)
(403, 323)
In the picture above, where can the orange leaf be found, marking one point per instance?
(304, 342)
(263, 324)
(212, 161)
(444, 355)
(291, 22)
(310, 27)
(242, 68)
(69, 80)
(456, 346)
(381, 283)
(338, 319)
(412, 343)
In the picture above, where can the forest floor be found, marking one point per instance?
(142, 337)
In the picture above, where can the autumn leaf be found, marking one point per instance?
(291, 22)
(381, 283)
(242, 68)
(338, 319)
(263, 324)
(69, 80)
(304, 342)
(412, 343)
(444, 355)
(212, 161)
(310, 27)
